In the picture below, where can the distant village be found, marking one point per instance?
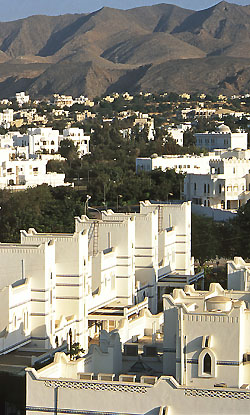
(216, 177)
(114, 317)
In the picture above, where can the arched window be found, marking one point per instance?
(207, 364)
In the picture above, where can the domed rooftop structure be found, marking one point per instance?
(219, 303)
(223, 129)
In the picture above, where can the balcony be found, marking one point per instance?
(173, 279)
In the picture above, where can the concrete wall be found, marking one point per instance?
(131, 398)
(219, 215)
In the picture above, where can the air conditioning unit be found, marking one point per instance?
(130, 349)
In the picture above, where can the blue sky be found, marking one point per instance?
(16, 9)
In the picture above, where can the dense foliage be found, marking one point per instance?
(211, 240)
(109, 171)
(44, 208)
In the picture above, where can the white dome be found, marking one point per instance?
(219, 303)
(224, 129)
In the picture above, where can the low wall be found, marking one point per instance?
(96, 397)
(218, 215)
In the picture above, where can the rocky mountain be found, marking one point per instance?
(156, 48)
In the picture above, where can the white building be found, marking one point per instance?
(57, 287)
(63, 100)
(39, 140)
(126, 133)
(151, 246)
(180, 163)
(223, 138)
(227, 186)
(238, 275)
(6, 118)
(18, 171)
(22, 98)
(174, 221)
(6, 140)
(144, 121)
(206, 338)
(70, 284)
(121, 236)
(27, 291)
(80, 140)
(106, 264)
(82, 100)
(20, 174)
(202, 366)
(176, 134)
(43, 283)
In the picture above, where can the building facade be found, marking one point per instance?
(222, 138)
(227, 186)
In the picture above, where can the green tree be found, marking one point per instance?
(68, 150)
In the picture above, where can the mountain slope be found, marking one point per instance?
(155, 48)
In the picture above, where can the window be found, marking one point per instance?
(109, 239)
(206, 361)
(208, 188)
(207, 364)
(206, 341)
(219, 188)
(205, 188)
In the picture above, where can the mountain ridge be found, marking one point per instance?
(151, 48)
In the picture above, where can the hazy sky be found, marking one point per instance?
(16, 9)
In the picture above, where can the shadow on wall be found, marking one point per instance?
(12, 394)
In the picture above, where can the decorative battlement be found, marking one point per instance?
(98, 386)
(215, 393)
(231, 160)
